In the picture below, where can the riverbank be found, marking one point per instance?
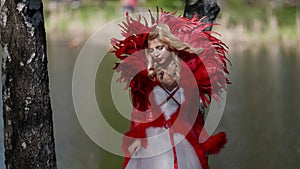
(270, 33)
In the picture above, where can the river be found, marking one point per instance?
(261, 116)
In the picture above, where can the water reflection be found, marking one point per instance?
(74, 148)
(261, 115)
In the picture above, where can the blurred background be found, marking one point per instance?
(262, 113)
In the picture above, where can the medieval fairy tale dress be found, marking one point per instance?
(166, 147)
(169, 123)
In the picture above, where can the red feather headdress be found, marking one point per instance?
(211, 63)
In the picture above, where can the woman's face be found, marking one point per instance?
(159, 51)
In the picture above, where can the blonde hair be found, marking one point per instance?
(164, 34)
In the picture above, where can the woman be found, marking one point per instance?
(166, 121)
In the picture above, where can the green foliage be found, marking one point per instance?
(244, 12)
(255, 17)
(175, 5)
(86, 12)
(286, 16)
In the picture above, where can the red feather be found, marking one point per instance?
(215, 143)
(209, 67)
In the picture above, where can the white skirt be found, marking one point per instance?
(159, 153)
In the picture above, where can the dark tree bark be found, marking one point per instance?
(201, 8)
(27, 114)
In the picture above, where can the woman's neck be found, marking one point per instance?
(170, 87)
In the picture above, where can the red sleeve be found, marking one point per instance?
(141, 87)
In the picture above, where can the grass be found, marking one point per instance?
(249, 25)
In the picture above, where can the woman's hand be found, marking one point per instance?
(166, 79)
(135, 146)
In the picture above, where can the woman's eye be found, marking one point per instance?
(150, 50)
(160, 47)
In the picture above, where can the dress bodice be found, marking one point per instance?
(168, 107)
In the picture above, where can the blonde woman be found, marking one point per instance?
(166, 134)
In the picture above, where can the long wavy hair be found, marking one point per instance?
(174, 44)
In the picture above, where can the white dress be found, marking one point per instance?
(159, 153)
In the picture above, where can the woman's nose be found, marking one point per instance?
(156, 53)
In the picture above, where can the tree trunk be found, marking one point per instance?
(27, 114)
(201, 8)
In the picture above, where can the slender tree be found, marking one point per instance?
(27, 114)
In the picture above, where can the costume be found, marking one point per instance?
(169, 122)
(159, 152)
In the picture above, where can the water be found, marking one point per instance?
(262, 114)
(261, 117)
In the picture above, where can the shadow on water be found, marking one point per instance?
(262, 113)
(75, 150)
(261, 116)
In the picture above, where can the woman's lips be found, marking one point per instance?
(158, 60)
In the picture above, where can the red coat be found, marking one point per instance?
(188, 118)
(198, 80)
